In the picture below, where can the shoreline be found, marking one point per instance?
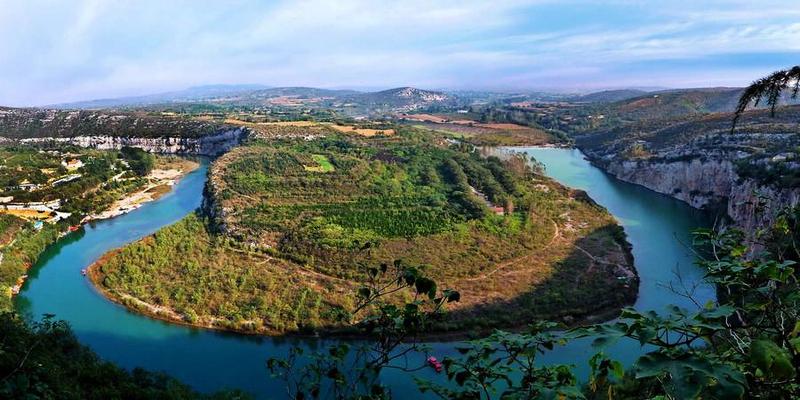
(168, 315)
(164, 180)
(111, 213)
(598, 316)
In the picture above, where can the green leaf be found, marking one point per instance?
(646, 334)
(771, 359)
(461, 377)
(426, 286)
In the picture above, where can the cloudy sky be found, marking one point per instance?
(58, 51)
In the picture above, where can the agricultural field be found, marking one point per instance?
(290, 227)
(463, 127)
(284, 129)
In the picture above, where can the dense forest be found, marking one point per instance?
(43, 360)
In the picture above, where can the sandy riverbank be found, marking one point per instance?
(159, 182)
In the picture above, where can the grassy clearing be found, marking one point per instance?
(323, 164)
(367, 132)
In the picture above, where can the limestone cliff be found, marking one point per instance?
(751, 173)
(706, 182)
(212, 144)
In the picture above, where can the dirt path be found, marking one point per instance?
(556, 235)
(300, 270)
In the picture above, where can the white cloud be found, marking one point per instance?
(56, 52)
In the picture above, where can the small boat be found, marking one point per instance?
(74, 228)
(83, 272)
(436, 364)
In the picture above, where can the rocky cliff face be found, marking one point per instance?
(700, 183)
(213, 144)
(753, 206)
(705, 183)
(752, 173)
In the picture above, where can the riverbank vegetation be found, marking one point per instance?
(293, 224)
(46, 189)
(43, 360)
(20, 255)
(184, 272)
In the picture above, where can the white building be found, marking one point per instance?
(73, 164)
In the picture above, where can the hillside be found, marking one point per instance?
(402, 99)
(608, 96)
(676, 103)
(290, 227)
(750, 174)
(665, 106)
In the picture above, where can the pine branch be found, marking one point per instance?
(768, 90)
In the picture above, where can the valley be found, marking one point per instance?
(195, 356)
(447, 200)
(302, 202)
(312, 202)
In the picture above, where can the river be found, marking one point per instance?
(658, 227)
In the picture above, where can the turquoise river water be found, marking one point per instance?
(658, 227)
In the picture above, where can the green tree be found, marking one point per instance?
(769, 90)
(394, 337)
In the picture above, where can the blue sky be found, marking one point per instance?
(57, 51)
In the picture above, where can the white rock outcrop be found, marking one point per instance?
(704, 183)
(210, 145)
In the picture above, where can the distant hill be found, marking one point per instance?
(398, 99)
(608, 96)
(402, 99)
(677, 103)
(667, 104)
(305, 92)
(196, 93)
